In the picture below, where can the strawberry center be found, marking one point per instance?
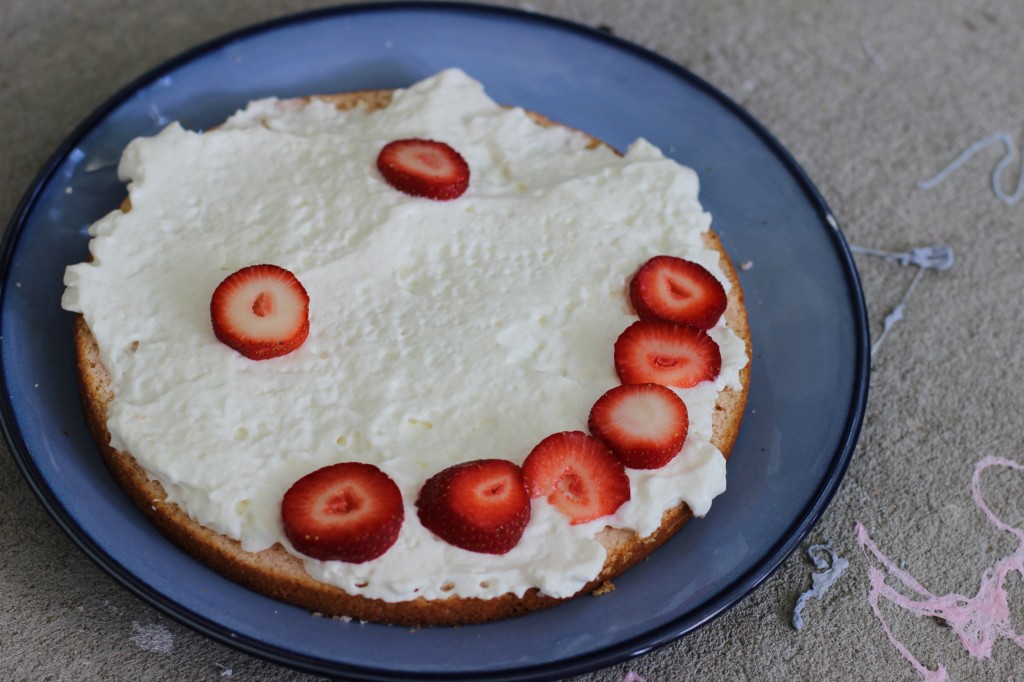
(342, 503)
(495, 490)
(665, 361)
(263, 305)
(431, 160)
(571, 485)
(637, 413)
(679, 291)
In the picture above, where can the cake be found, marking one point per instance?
(440, 331)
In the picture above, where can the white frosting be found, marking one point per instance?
(439, 331)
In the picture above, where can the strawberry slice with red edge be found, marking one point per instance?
(677, 290)
(578, 475)
(644, 425)
(658, 352)
(343, 512)
(262, 311)
(480, 506)
(424, 168)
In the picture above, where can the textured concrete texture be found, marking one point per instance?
(871, 97)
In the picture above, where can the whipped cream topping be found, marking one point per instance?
(440, 332)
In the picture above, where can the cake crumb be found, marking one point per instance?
(746, 265)
(604, 588)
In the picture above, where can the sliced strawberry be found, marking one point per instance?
(261, 311)
(481, 505)
(424, 168)
(344, 512)
(644, 425)
(656, 352)
(677, 290)
(578, 475)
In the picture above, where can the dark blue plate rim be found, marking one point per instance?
(636, 646)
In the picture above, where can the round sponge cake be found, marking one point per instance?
(279, 574)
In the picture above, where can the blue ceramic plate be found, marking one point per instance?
(810, 364)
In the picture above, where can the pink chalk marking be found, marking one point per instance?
(978, 621)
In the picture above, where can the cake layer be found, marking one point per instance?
(440, 332)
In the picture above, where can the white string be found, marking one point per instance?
(873, 56)
(1011, 155)
(925, 258)
(932, 257)
(897, 313)
(830, 567)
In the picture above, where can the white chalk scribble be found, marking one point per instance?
(1004, 138)
(155, 638)
(830, 567)
(979, 621)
